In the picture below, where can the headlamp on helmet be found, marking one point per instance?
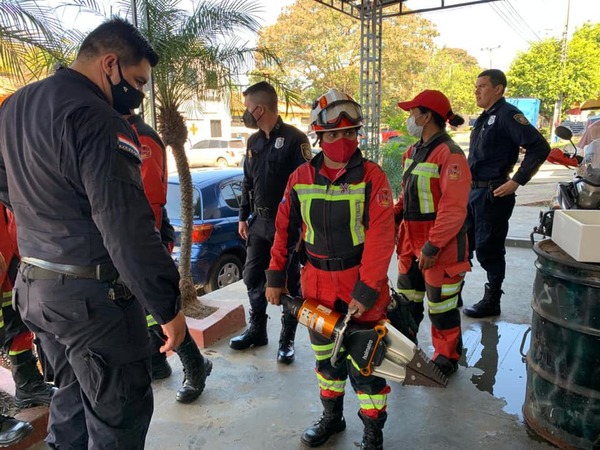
(335, 111)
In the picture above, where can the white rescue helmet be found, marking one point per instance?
(335, 111)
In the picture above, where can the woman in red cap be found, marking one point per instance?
(432, 243)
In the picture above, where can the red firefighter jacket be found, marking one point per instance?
(435, 193)
(348, 222)
(8, 238)
(154, 166)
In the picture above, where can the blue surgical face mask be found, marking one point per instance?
(412, 127)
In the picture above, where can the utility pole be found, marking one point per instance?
(490, 50)
(563, 63)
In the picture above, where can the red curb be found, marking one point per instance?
(229, 318)
(36, 416)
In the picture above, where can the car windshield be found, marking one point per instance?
(174, 200)
(237, 144)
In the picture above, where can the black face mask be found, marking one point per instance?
(125, 96)
(249, 120)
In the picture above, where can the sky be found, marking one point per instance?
(492, 32)
(496, 30)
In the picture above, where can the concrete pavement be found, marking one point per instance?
(253, 403)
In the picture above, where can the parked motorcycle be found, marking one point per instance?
(583, 191)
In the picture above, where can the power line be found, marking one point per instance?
(513, 22)
(519, 18)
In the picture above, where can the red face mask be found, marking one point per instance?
(341, 150)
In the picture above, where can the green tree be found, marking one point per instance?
(33, 38)
(315, 57)
(454, 72)
(539, 73)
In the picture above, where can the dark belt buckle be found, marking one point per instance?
(105, 272)
(334, 264)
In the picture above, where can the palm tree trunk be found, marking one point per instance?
(174, 132)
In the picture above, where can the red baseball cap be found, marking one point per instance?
(434, 100)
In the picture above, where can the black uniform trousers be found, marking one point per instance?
(487, 230)
(261, 235)
(99, 350)
(13, 325)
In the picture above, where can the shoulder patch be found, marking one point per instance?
(521, 119)
(128, 146)
(306, 151)
(145, 151)
(454, 172)
(384, 198)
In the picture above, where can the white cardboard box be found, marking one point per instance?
(577, 232)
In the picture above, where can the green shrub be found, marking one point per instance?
(391, 161)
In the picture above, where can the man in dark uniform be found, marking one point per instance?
(273, 153)
(70, 170)
(493, 151)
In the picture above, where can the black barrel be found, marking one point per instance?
(562, 402)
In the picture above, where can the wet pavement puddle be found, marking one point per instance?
(494, 349)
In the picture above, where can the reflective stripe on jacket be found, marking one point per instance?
(340, 219)
(434, 195)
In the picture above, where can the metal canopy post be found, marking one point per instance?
(371, 14)
(370, 74)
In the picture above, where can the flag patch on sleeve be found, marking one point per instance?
(127, 145)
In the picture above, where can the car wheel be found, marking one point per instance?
(222, 162)
(227, 270)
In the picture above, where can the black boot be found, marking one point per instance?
(12, 430)
(373, 434)
(446, 365)
(256, 334)
(195, 368)
(285, 353)
(488, 306)
(331, 422)
(30, 388)
(160, 365)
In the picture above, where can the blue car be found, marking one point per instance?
(218, 251)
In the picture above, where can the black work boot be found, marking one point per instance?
(488, 306)
(30, 388)
(160, 365)
(12, 430)
(195, 369)
(255, 334)
(285, 353)
(446, 365)
(331, 422)
(373, 434)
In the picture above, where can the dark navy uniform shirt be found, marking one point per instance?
(70, 170)
(495, 140)
(268, 165)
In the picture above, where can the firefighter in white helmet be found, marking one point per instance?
(341, 204)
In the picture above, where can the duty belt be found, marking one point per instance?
(479, 184)
(268, 213)
(334, 264)
(46, 270)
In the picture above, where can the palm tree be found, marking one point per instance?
(33, 38)
(202, 53)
